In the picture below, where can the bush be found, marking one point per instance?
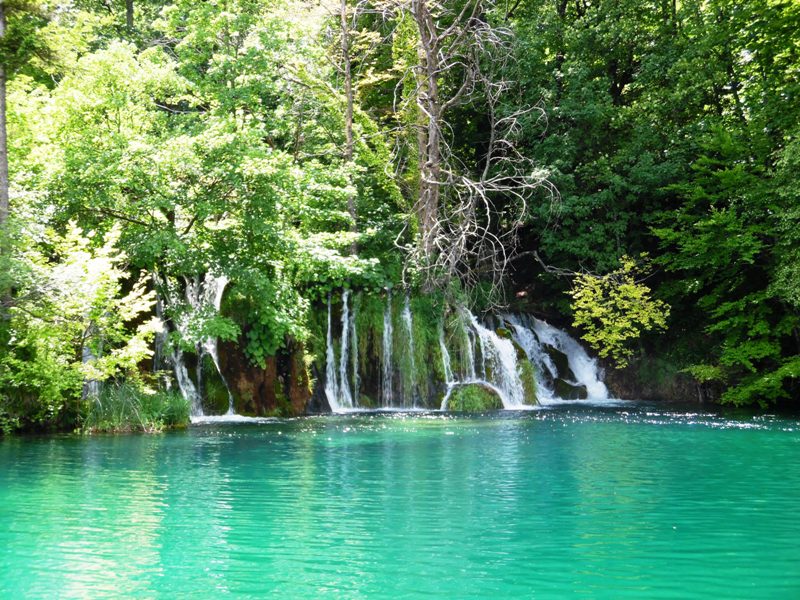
(123, 407)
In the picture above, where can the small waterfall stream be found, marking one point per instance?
(409, 327)
(214, 288)
(331, 375)
(346, 396)
(538, 338)
(388, 338)
(200, 296)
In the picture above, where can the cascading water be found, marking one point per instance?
(213, 290)
(388, 369)
(535, 335)
(499, 357)
(345, 395)
(545, 369)
(331, 383)
(409, 327)
(470, 347)
(354, 352)
(486, 357)
(446, 365)
(200, 296)
(185, 384)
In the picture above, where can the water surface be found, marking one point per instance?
(599, 502)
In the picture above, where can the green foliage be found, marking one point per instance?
(473, 398)
(124, 408)
(527, 374)
(204, 140)
(71, 321)
(613, 310)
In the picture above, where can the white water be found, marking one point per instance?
(499, 357)
(388, 369)
(470, 338)
(354, 352)
(446, 366)
(487, 359)
(213, 290)
(345, 395)
(228, 418)
(532, 334)
(409, 327)
(185, 383)
(541, 360)
(331, 383)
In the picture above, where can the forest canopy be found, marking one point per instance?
(628, 165)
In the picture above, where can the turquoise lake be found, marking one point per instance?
(635, 501)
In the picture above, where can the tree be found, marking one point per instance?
(3, 132)
(469, 201)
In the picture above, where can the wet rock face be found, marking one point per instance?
(649, 377)
(280, 387)
(561, 362)
(569, 391)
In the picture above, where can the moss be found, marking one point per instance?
(458, 342)
(561, 362)
(369, 328)
(527, 373)
(473, 397)
(427, 312)
(365, 401)
(503, 333)
(215, 392)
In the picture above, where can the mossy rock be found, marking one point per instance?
(527, 373)
(569, 391)
(504, 333)
(561, 362)
(473, 397)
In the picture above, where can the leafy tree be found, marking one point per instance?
(72, 322)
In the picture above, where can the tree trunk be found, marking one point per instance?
(431, 153)
(348, 114)
(3, 133)
(129, 14)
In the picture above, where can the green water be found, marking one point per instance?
(595, 502)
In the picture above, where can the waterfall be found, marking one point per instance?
(185, 383)
(409, 327)
(490, 355)
(536, 336)
(213, 290)
(545, 369)
(181, 323)
(585, 368)
(388, 368)
(346, 397)
(202, 298)
(448, 369)
(470, 374)
(499, 357)
(354, 351)
(331, 385)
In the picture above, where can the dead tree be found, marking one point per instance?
(462, 60)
